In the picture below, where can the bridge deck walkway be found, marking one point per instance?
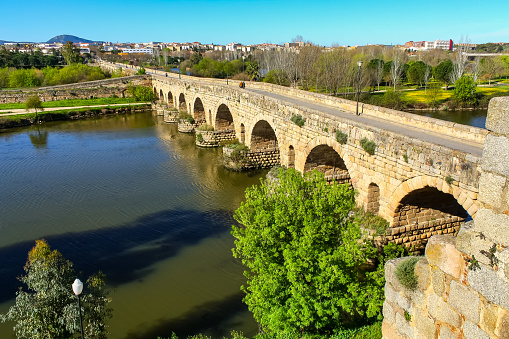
(436, 138)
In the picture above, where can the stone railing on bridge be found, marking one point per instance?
(463, 281)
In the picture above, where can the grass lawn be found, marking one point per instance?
(74, 102)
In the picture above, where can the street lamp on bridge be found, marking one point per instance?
(359, 63)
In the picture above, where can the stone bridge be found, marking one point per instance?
(423, 176)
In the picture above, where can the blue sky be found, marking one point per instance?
(257, 21)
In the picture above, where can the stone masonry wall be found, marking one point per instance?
(83, 90)
(463, 289)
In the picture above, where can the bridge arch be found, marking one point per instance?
(264, 144)
(291, 156)
(161, 95)
(199, 112)
(224, 119)
(373, 198)
(242, 134)
(170, 99)
(424, 206)
(182, 102)
(328, 161)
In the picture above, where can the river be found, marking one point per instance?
(130, 196)
(470, 117)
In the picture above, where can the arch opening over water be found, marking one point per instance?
(199, 112)
(182, 102)
(224, 119)
(161, 95)
(326, 160)
(170, 99)
(291, 157)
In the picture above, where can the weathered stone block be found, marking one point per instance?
(389, 331)
(388, 312)
(498, 117)
(491, 188)
(404, 326)
(447, 333)
(424, 324)
(495, 155)
(489, 316)
(472, 331)
(423, 273)
(503, 326)
(441, 311)
(494, 225)
(490, 285)
(465, 301)
(441, 252)
(390, 276)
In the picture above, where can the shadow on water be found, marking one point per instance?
(201, 319)
(124, 253)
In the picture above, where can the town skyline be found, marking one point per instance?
(253, 22)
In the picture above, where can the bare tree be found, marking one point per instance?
(397, 66)
(476, 70)
(491, 67)
(306, 63)
(427, 77)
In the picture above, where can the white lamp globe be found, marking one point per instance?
(77, 287)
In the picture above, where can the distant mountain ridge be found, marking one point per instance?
(72, 38)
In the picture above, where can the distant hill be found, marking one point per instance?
(64, 38)
(4, 41)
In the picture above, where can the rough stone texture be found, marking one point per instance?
(472, 331)
(495, 155)
(438, 281)
(490, 285)
(489, 223)
(441, 311)
(498, 119)
(424, 324)
(491, 189)
(441, 252)
(465, 301)
(83, 90)
(404, 326)
(447, 333)
(489, 317)
(503, 327)
(388, 312)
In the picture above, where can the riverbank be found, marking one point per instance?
(12, 120)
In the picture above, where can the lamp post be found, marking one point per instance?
(77, 288)
(359, 63)
(243, 72)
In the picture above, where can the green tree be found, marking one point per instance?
(33, 102)
(196, 58)
(305, 258)
(465, 90)
(141, 71)
(443, 72)
(141, 93)
(415, 72)
(49, 308)
(71, 54)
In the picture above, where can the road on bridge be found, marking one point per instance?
(420, 134)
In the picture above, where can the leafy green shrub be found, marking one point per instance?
(369, 220)
(341, 137)
(141, 71)
(449, 180)
(408, 317)
(405, 272)
(368, 145)
(141, 93)
(393, 99)
(186, 116)
(465, 90)
(205, 127)
(298, 120)
(405, 157)
(199, 137)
